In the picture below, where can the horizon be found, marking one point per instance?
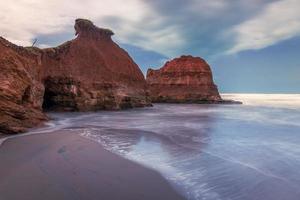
(254, 48)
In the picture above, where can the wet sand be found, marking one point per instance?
(66, 166)
(3, 135)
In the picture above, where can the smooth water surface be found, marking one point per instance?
(211, 152)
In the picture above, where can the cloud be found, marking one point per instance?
(278, 21)
(169, 27)
(144, 58)
(201, 25)
(22, 20)
(134, 22)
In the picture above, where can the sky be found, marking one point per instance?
(253, 46)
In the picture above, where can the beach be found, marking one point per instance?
(213, 152)
(62, 165)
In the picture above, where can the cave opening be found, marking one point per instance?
(48, 100)
(60, 94)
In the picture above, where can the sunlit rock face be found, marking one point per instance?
(183, 80)
(90, 72)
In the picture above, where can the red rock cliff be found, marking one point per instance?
(184, 79)
(21, 92)
(90, 72)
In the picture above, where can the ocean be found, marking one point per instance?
(210, 152)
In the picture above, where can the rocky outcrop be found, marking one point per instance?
(21, 92)
(183, 80)
(90, 72)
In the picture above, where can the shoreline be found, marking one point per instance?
(64, 165)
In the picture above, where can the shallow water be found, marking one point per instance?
(211, 152)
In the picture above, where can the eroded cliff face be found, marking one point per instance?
(90, 72)
(21, 92)
(183, 80)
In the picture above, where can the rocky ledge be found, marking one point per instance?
(90, 72)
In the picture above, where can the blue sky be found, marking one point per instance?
(274, 69)
(251, 45)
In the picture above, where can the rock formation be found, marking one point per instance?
(21, 92)
(90, 72)
(182, 80)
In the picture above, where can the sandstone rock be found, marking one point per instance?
(181, 80)
(21, 93)
(90, 72)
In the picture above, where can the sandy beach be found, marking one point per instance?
(66, 166)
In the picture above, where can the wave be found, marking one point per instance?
(291, 101)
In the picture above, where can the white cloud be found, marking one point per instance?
(278, 21)
(168, 27)
(141, 24)
(22, 20)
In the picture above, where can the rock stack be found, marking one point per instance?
(183, 80)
